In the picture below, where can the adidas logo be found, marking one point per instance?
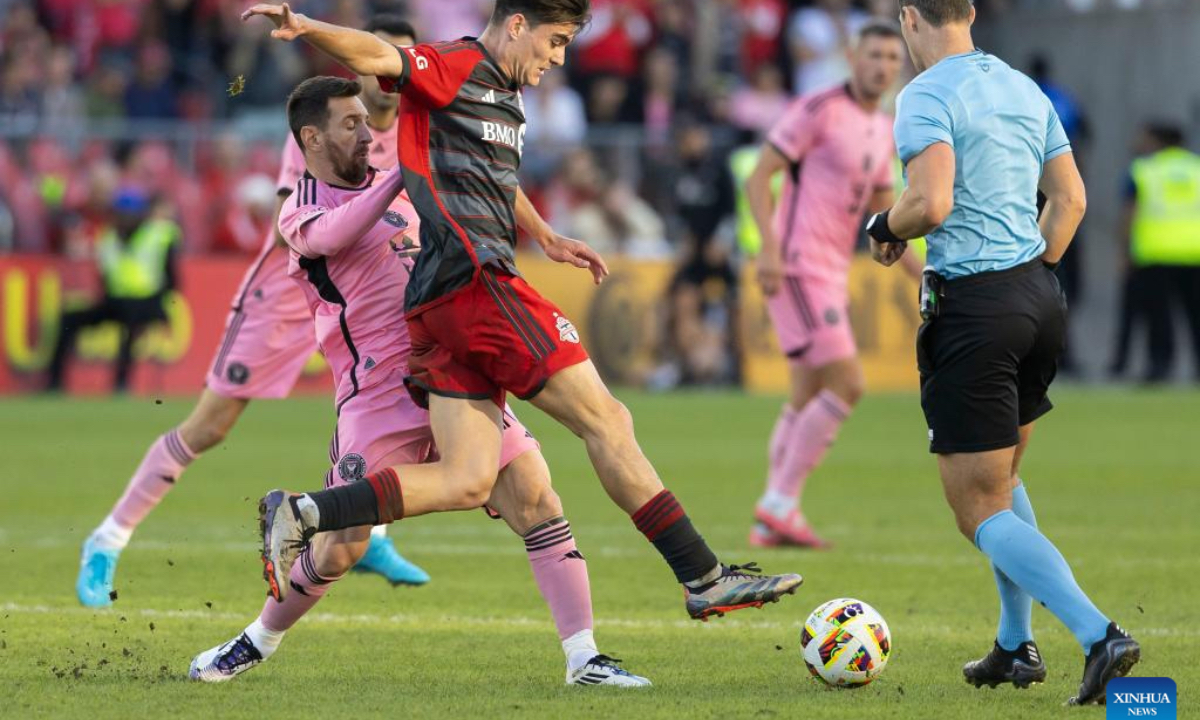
(490, 97)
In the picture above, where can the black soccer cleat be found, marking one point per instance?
(1021, 667)
(1112, 657)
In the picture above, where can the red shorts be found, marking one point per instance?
(496, 334)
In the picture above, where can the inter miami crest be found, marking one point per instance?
(237, 373)
(395, 219)
(352, 467)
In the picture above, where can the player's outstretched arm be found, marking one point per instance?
(557, 248)
(316, 231)
(361, 52)
(1066, 202)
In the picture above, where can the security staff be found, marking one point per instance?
(978, 140)
(136, 258)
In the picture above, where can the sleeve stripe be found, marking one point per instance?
(787, 156)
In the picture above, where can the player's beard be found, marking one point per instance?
(351, 168)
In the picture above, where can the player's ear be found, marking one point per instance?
(311, 137)
(516, 23)
(971, 17)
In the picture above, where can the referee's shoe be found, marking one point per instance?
(1112, 657)
(1021, 667)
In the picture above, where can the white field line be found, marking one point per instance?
(424, 621)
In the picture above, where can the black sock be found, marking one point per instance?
(346, 506)
(664, 523)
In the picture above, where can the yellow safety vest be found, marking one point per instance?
(137, 269)
(741, 164)
(1166, 222)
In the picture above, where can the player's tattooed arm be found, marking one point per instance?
(558, 248)
(361, 52)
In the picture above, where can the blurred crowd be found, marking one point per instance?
(629, 147)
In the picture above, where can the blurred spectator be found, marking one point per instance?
(609, 216)
(136, 259)
(609, 101)
(818, 38)
(152, 95)
(440, 20)
(270, 68)
(88, 216)
(762, 24)
(659, 97)
(105, 94)
(248, 218)
(695, 188)
(555, 121)
(673, 30)
(19, 105)
(62, 101)
(614, 40)
(1163, 221)
(756, 107)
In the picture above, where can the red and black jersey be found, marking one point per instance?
(462, 128)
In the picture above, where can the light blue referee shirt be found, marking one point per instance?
(1003, 130)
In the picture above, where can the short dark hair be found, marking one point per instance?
(939, 12)
(539, 12)
(309, 102)
(392, 24)
(880, 28)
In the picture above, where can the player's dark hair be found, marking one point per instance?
(539, 12)
(880, 28)
(309, 102)
(392, 24)
(939, 12)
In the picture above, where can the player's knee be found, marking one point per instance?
(471, 484)
(852, 391)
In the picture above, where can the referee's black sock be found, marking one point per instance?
(664, 523)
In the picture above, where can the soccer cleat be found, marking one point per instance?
(762, 537)
(739, 586)
(604, 670)
(94, 586)
(1021, 667)
(1112, 657)
(285, 532)
(382, 558)
(792, 531)
(225, 662)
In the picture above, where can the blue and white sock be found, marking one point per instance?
(1016, 606)
(1033, 563)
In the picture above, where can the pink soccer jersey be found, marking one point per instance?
(269, 335)
(840, 155)
(354, 260)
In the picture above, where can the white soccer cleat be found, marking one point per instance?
(225, 662)
(603, 670)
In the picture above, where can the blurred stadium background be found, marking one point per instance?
(637, 148)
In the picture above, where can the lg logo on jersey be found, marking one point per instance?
(420, 60)
(505, 135)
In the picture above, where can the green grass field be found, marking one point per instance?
(1113, 475)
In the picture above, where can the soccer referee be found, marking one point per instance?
(978, 140)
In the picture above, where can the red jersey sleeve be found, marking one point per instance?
(433, 74)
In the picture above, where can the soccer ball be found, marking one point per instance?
(846, 643)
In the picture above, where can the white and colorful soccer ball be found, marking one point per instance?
(846, 643)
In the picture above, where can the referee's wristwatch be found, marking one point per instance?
(877, 228)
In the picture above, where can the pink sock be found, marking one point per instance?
(812, 430)
(561, 574)
(780, 436)
(162, 466)
(308, 586)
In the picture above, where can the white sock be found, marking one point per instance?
(111, 535)
(777, 504)
(267, 641)
(579, 648)
(379, 531)
(706, 578)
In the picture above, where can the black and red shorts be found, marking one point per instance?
(494, 335)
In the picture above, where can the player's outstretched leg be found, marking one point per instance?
(322, 564)
(382, 558)
(577, 398)
(161, 467)
(524, 499)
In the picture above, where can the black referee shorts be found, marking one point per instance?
(987, 360)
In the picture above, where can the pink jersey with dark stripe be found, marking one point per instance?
(354, 284)
(840, 154)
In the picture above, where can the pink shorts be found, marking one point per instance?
(269, 337)
(812, 322)
(381, 427)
